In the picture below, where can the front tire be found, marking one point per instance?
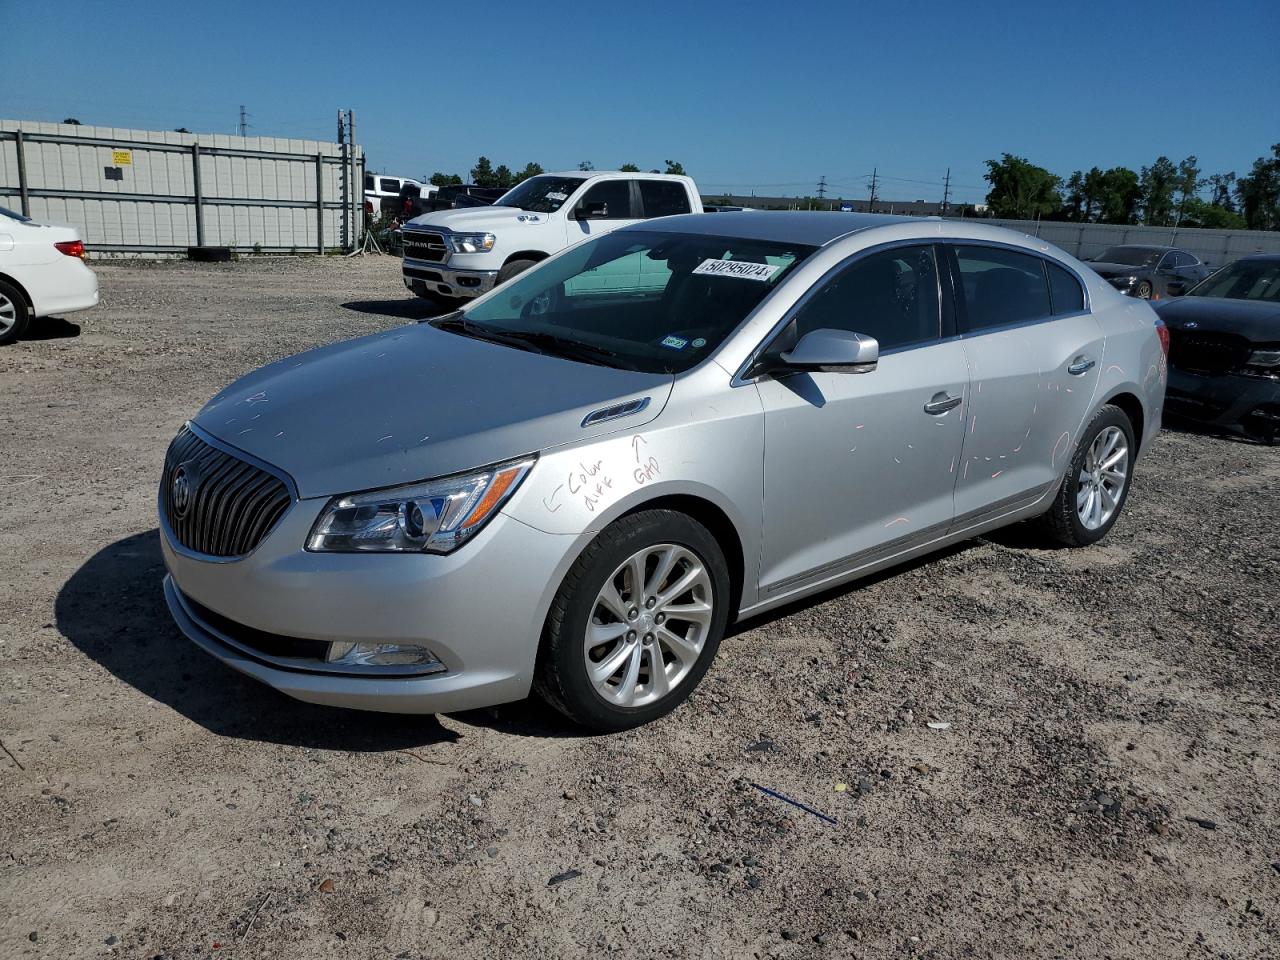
(14, 314)
(1094, 491)
(636, 623)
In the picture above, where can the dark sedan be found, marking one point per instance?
(1224, 350)
(1149, 272)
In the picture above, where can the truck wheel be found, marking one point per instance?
(14, 315)
(513, 267)
(636, 623)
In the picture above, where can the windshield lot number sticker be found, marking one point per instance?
(741, 269)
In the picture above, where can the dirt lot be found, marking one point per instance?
(1109, 785)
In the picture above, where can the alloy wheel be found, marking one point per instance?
(8, 314)
(1103, 476)
(648, 625)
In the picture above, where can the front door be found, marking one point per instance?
(857, 462)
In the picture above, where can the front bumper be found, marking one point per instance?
(423, 276)
(479, 610)
(1228, 401)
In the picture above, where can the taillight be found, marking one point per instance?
(1163, 333)
(72, 248)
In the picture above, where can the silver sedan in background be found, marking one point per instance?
(577, 482)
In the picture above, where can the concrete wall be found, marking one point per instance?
(253, 190)
(1215, 247)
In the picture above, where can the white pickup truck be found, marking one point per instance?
(455, 255)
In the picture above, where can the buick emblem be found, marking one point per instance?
(180, 492)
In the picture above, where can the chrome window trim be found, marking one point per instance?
(741, 380)
(248, 458)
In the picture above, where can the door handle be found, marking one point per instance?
(941, 403)
(1080, 366)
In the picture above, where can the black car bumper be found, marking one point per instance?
(1228, 401)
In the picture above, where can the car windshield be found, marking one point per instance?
(12, 215)
(639, 300)
(1243, 280)
(540, 194)
(1130, 256)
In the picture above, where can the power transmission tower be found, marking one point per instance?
(822, 188)
(871, 203)
(946, 191)
(244, 120)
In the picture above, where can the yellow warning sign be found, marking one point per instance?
(122, 158)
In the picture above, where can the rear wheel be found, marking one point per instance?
(636, 622)
(1096, 486)
(14, 314)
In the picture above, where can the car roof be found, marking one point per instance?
(814, 227)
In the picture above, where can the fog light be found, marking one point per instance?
(381, 655)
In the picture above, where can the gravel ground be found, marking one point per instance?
(1108, 784)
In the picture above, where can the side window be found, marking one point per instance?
(390, 186)
(891, 295)
(1001, 287)
(663, 198)
(1065, 290)
(615, 195)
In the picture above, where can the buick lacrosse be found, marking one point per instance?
(573, 485)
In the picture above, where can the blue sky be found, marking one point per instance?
(747, 95)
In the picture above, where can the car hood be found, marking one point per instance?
(1104, 269)
(476, 219)
(413, 403)
(1253, 319)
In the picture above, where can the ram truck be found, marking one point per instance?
(456, 255)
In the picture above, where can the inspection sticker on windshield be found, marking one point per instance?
(737, 268)
(675, 343)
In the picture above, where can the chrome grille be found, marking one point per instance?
(216, 503)
(424, 246)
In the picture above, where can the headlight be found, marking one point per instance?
(471, 242)
(433, 517)
(1265, 358)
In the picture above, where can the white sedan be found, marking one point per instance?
(42, 273)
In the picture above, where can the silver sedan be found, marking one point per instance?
(576, 483)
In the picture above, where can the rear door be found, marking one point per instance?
(1034, 354)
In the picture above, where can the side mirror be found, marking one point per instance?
(837, 351)
(592, 210)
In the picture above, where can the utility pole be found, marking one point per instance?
(946, 191)
(244, 120)
(822, 188)
(871, 203)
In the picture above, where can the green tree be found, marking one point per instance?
(1159, 181)
(482, 173)
(503, 177)
(1119, 193)
(1188, 184)
(1199, 213)
(1259, 193)
(675, 167)
(439, 179)
(530, 170)
(629, 168)
(1020, 190)
(1220, 185)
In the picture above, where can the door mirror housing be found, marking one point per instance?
(835, 351)
(592, 210)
